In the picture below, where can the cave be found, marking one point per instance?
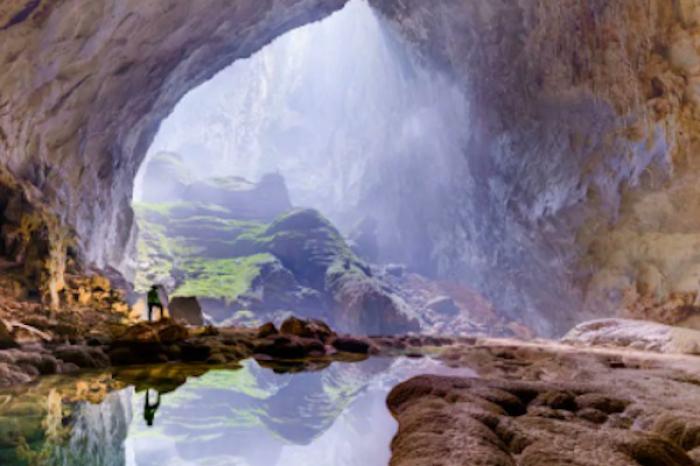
(543, 180)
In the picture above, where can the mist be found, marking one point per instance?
(357, 127)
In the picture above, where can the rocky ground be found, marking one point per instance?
(614, 392)
(98, 331)
(537, 403)
(550, 404)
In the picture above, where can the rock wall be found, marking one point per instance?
(578, 185)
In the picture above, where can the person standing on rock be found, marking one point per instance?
(154, 302)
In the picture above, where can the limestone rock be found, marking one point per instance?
(314, 329)
(635, 334)
(435, 411)
(186, 309)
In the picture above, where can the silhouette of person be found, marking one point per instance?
(154, 302)
(149, 410)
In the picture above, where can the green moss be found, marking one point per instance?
(221, 278)
(242, 381)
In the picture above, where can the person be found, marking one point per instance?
(149, 410)
(154, 302)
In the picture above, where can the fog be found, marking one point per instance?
(356, 124)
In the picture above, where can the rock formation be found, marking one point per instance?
(186, 309)
(546, 404)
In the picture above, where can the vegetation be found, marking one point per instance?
(224, 279)
(203, 253)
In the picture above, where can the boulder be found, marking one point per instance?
(314, 329)
(186, 309)
(143, 332)
(362, 306)
(164, 331)
(267, 330)
(172, 332)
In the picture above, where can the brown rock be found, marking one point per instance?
(187, 310)
(289, 347)
(267, 330)
(83, 356)
(306, 328)
(445, 421)
(352, 345)
(604, 403)
(23, 333)
(172, 333)
(143, 332)
(593, 415)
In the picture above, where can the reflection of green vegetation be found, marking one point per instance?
(243, 381)
(221, 278)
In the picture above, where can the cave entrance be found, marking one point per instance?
(339, 116)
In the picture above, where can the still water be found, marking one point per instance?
(250, 416)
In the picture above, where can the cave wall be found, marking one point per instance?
(576, 195)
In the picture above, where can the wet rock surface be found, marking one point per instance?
(541, 404)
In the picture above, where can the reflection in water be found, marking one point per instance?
(249, 417)
(149, 409)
